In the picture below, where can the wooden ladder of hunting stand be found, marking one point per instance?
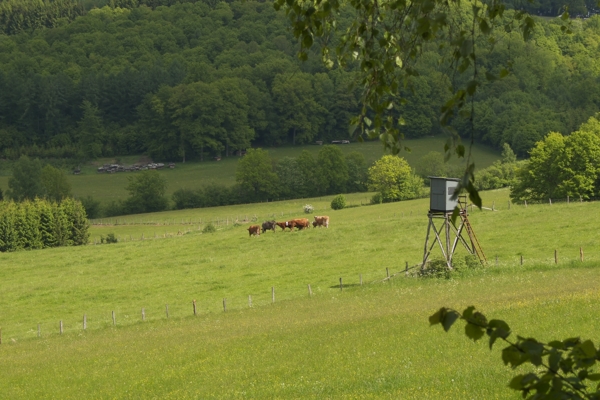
(462, 201)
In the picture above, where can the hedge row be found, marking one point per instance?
(40, 224)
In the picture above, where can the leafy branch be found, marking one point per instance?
(565, 368)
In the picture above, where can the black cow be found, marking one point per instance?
(269, 225)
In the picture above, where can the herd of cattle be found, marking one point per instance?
(299, 223)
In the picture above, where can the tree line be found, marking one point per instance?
(40, 224)
(192, 80)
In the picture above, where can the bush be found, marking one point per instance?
(209, 228)
(472, 261)
(377, 198)
(92, 207)
(110, 238)
(338, 202)
(308, 209)
(435, 269)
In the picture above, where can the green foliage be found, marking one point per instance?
(56, 185)
(377, 198)
(436, 268)
(41, 224)
(290, 179)
(209, 228)
(338, 202)
(560, 369)
(110, 238)
(91, 131)
(146, 192)
(357, 172)
(210, 195)
(25, 182)
(332, 170)
(562, 166)
(91, 206)
(255, 176)
(394, 179)
(78, 226)
(472, 261)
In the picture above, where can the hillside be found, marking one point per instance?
(372, 340)
(194, 80)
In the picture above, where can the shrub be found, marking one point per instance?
(110, 238)
(209, 228)
(435, 269)
(92, 206)
(338, 202)
(308, 209)
(472, 261)
(377, 198)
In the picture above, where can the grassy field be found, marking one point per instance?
(107, 187)
(370, 341)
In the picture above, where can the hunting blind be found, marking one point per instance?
(442, 203)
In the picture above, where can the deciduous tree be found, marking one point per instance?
(394, 179)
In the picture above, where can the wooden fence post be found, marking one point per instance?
(387, 272)
(273, 294)
(341, 284)
(406, 269)
(114, 318)
(61, 327)
(496, 261)
(555, 257)
(581, 254)
(39, 331)
(550, 201)
(167, 310)
(194, 306)
(309, 290)
(360, 279)
(84, 322)
(567, 199)
(494, 205)
(525, 203)
(250, 300)
(521, 259)
(143, 314)
(224, 304)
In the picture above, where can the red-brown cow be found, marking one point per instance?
(284, 225)
(254, 230)
(322, 220)
(300, 223)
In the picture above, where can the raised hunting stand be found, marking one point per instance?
(441, 206)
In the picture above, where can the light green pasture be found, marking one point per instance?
(364, 342)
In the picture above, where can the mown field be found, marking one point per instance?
(108, 187)
(370, 341)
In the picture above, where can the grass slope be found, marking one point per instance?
(107, 187)
(365, 342)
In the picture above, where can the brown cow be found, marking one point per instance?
(283, 225)
(300, 223)
(314, 224)
(254, 230)
(322, 220)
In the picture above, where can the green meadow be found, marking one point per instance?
(369, 341)
(108, 187)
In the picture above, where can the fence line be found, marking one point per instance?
(193, 306)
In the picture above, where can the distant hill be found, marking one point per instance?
(193, 80)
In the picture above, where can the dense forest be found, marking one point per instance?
(190, 80)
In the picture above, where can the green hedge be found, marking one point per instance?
(41, 224)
